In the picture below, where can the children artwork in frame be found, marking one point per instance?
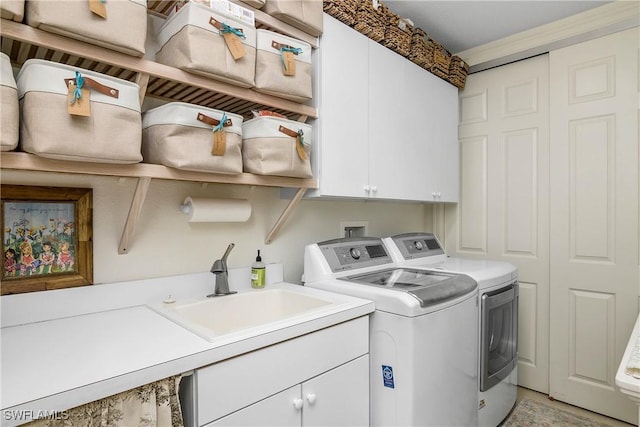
(47, 238)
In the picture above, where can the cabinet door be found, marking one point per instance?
(342, 144)
(431, 108)
(282, 409)
(339, 397)
(388, 125)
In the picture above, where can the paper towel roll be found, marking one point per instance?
(216, 210)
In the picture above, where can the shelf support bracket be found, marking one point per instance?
(134, 213)
(284, 216)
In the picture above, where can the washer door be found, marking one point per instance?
(499, 337)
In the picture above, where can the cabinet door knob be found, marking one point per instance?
(311, 398)
(297, 403)
(374, 189)
(367, 188)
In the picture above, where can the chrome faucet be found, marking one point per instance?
(219, 268)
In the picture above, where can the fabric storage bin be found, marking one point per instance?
(111, 133)
(256, 4)
(182, 136)
(306, 15)
(269, 147)
(192, 41)
(283, 66)
(9, 121)
(12, 9)
(123, 27)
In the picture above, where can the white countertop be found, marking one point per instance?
(57, 364)
(629, 385)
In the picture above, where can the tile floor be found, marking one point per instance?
(534, 395)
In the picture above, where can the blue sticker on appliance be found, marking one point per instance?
(387, 376)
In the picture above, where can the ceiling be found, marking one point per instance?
(461, 25)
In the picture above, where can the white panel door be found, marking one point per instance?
(503, 212)
(341, 155)
(594, 219)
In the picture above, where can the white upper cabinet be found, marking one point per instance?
(388, 129)
(341, 163)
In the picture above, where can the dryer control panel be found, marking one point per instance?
(417, 245)
(350, 253)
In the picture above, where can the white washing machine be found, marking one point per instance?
(423, 346)
(498, 317)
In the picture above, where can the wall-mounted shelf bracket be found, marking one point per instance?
(284, 216)
(134, 213)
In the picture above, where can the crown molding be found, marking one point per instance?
(596, 22)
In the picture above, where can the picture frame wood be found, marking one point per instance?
(47, 238)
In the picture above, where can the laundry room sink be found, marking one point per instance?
(247, 313)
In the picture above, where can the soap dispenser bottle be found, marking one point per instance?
(258, 273)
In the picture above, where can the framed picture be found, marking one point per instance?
(47, 238)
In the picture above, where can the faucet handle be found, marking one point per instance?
(226, 253)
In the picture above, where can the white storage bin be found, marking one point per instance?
(112, 132)
(181, 136)
(291, 81)
(124, 29)
(12, 9)
(269, 147)
(190, 41)
(305, 15)
(10, 117)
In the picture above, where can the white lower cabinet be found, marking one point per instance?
(318, 379)
(339, 397)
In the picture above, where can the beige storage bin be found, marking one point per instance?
(110, 134)
(181, 136)
(9, 119)
(189, 40)
(292, 82)
(305, 15)
(269, 147)
(256, 4)
(124, 29)
(12, 9)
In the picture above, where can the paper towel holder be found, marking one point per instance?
(216, 209)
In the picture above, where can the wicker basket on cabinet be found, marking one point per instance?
(458, 71)
(342, 10)
(421, 51)
(371, 19)
(441, 61)
(397, 35)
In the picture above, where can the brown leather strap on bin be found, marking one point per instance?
(92, 84)
(278, 46)
(211, 121)
(293, 134)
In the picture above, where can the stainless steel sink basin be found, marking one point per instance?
(249, 312)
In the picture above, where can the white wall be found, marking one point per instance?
(165, 244)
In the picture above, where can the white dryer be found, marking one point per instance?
(498, 317)
(423, 346)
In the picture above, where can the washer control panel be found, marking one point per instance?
(417, 245)
(350, 253)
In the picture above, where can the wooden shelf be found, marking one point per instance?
(22, 42)
(30, 162)
(145, 173)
